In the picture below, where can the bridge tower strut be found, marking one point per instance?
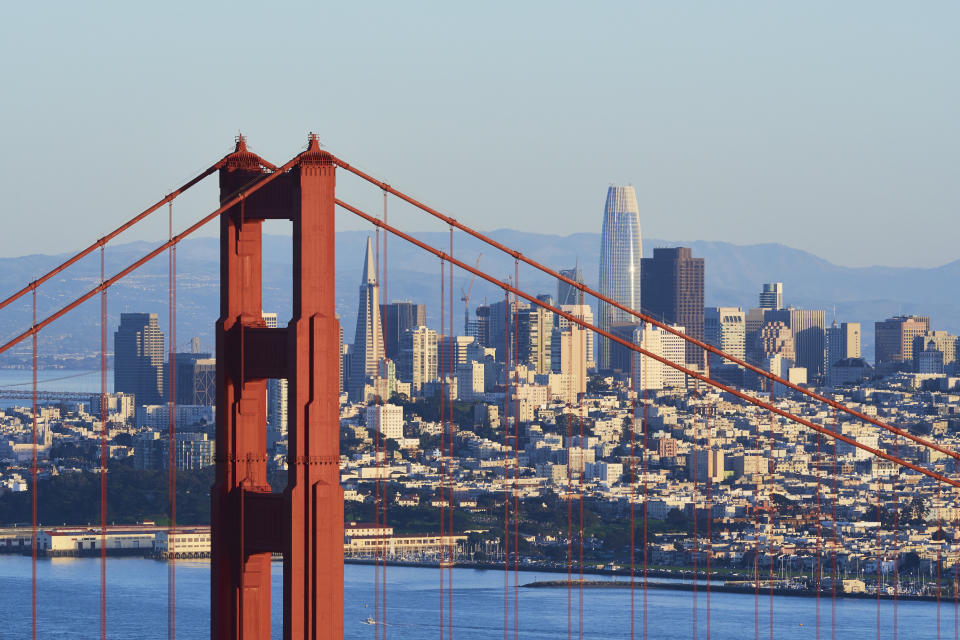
(248, 521)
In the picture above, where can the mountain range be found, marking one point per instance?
(734, 274)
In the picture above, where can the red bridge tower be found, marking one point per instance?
(305, 522)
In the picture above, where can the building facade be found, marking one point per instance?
(620, 255)
(398, 317)
(367, 349)
(673, 282)
(138, 358)
(893, 339)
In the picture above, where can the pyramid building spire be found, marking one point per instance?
(367, 350)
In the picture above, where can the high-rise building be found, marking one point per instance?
(397, 318)
(277, 389)
(499, 325)
(567, 294)
(771, 296)
(452, 347)
(418, 357)
(386, 419)
(481, 325)
(929, 359)
(807, 326)
(673, 293)
(534, 338)
(205, 382)
(943, 342)
(620, 254)
(138, 358)
(776, 339)
(725, 329)
(649, 373)
(893, 339)
(842, 343)
(185, 379)
(621, 356)
(367, 349)
(585, 313)
(569, 350)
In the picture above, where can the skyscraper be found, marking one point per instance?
(725, 329)
(534, 338)
(893, 339)
(567, 294)
(673, 293)
(620, 254)
(418, 357)
(138, 358)
(367, 349)
(843, 342)
(771, 296)
(397, 318)
(276, 390)
(582, 312)
(808, 327)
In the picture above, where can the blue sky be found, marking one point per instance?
(826, 126)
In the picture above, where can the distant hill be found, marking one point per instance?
(734, 274)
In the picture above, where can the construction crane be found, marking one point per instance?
(465, 297)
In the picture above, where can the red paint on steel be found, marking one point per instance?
(443, 448)
(104, 453)
(641, 316)
(452, 366)
(172, 436)
(248, 521)
(33, 481)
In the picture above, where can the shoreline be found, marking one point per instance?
(717, 584)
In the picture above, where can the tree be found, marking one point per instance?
(918, 509)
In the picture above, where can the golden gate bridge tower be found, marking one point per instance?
(248, 521)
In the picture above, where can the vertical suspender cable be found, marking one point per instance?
(384, 501)
(645, 453)
(172, 433)
(816, 582)
(879, 555)
(516, 455)
(379, 553)
(104, 451)
(756, 529)
(443, 433)
(506, 473)
(896, 544)
(453, 371)
(939, 553)
(33, 478)
(770, 512)
(836, 497)
(709, 509)
(569, 501)
(693, 506)
(956, 565)
(633, 483)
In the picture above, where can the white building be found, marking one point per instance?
(585, 313)
(725, 328)
(470, 381)
(387, 419)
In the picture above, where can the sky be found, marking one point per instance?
(827, 126)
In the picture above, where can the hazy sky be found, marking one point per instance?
(830, 126)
